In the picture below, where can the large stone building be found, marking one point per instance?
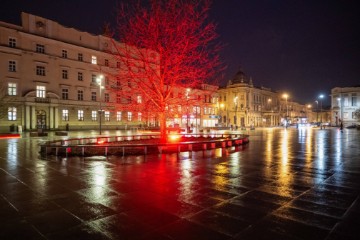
(49, 80)
(242, 104)
(344, 102)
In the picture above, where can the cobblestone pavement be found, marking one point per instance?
(285, 184)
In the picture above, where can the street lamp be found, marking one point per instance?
(321, 98)
(340, 111)
(236, 105)
(188, 113)
(99, 82)
(317, 111)
(287, 109)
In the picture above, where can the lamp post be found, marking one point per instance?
(235, 106)
(340, 109)
(287, 109)
(188, 113)
(99, 82)
(317, 111)
(321, 98)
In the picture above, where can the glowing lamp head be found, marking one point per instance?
(174, 137)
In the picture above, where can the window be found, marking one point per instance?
(93, 115)
(118, 116)
(40, 48)
(129, 83)
(107, 97)
(139, 99)
(65, 74)
(129, 116)
(12, 113)
(40, 91)
(12, 89)
(353, 100)
(80, 57)
(107, 116)
(65, 93)
(118, 98)
(64, 54)
(129, 99)
(93, 96)
(80, 76)
(12, 42)
(65, 115)
(12, 66)
(118, 64)
(106, 62)
(80, 95)
(93, 60)
(93, 78)
(40, 70)
(139, 116)
(81, 115)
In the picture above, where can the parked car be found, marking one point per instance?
(353, 126)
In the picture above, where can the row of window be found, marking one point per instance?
(40, 48)
(94, 116)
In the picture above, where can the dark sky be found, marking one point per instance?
(302, 47)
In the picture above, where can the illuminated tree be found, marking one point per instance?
(166, 48)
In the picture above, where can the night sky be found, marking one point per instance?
(302, 47)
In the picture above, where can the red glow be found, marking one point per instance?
(9, 136)
(100, 142)
(174, 137)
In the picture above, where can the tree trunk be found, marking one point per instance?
(162, 120)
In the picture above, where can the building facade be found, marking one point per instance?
(54, 77)
(344, 102)
(241, 104)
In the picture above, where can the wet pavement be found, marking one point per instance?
(285, 184)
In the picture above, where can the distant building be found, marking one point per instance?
(244, 105)
(344, 102)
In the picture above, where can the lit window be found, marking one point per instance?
(12, 89)
(80, 57)
(40, 48)
(12, 66)
(64, 54)
(65, 74)
(80, 76)
(118, 116)
(107, 116)
(139, 99)
(80, 95)
(65, 115)
(139, 116)
(40, 91)
(129, 116)
(93, 115)
(93, 60)
(12, 42)
(12, 113)
(81, 115)
(40, 70)
(65, 93)
(93, 96)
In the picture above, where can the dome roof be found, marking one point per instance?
(240, 77)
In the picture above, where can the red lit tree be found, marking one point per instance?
(166, 48)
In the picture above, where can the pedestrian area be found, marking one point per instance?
(285, 184)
